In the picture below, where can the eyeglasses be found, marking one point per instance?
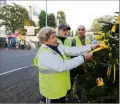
(81, 29)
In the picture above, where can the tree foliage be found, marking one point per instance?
(61, 17)
(51, 20)
(105, 65)
(42, 18)
(97, 26)
(29, 22)
(13, 16)
(22, 31)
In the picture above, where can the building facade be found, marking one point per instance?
(3, 2)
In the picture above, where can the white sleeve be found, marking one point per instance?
(75, 51)
(52, 62)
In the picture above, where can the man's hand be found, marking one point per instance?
(88, 56)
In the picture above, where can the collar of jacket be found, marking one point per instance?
(45, 46)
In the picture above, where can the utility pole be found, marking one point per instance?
(46, 13)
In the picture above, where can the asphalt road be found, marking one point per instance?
(18, 78)
(14, 59)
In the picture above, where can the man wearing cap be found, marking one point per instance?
(63, 35)
(63, 39)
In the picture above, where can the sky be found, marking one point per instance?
(77, 12)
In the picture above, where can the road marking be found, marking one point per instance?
(26, 54)
(11, 71)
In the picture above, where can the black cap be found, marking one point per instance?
(62, 26)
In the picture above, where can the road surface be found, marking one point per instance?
(18, 77)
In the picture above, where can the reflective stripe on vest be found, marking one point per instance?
(46, 71)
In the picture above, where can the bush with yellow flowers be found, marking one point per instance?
(100, 82)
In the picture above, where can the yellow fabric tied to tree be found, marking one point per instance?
(99, 81)
(109, 70)
(114, 71)
(102, 46)
(117, 20)
(97, 49)
(100, 35)
(114, 68)
(114, 28)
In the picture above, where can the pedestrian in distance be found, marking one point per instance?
(22, 43)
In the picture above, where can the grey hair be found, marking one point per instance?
(45, 33)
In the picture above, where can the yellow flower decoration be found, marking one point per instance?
(99, 81)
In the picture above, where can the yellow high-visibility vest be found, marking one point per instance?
(67, 42)
(79, 43)
(52, 85)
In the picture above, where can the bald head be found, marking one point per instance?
(81, 31)
(81, 27)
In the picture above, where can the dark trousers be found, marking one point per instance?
(48, 101)
(73, 73)
(22, 46)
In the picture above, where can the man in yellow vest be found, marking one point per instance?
(54, 66)
(62, 35)
(64, 39)
(79, 40)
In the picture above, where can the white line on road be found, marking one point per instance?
(26, 54)
(14, 70)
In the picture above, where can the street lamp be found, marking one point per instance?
(46, 13)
